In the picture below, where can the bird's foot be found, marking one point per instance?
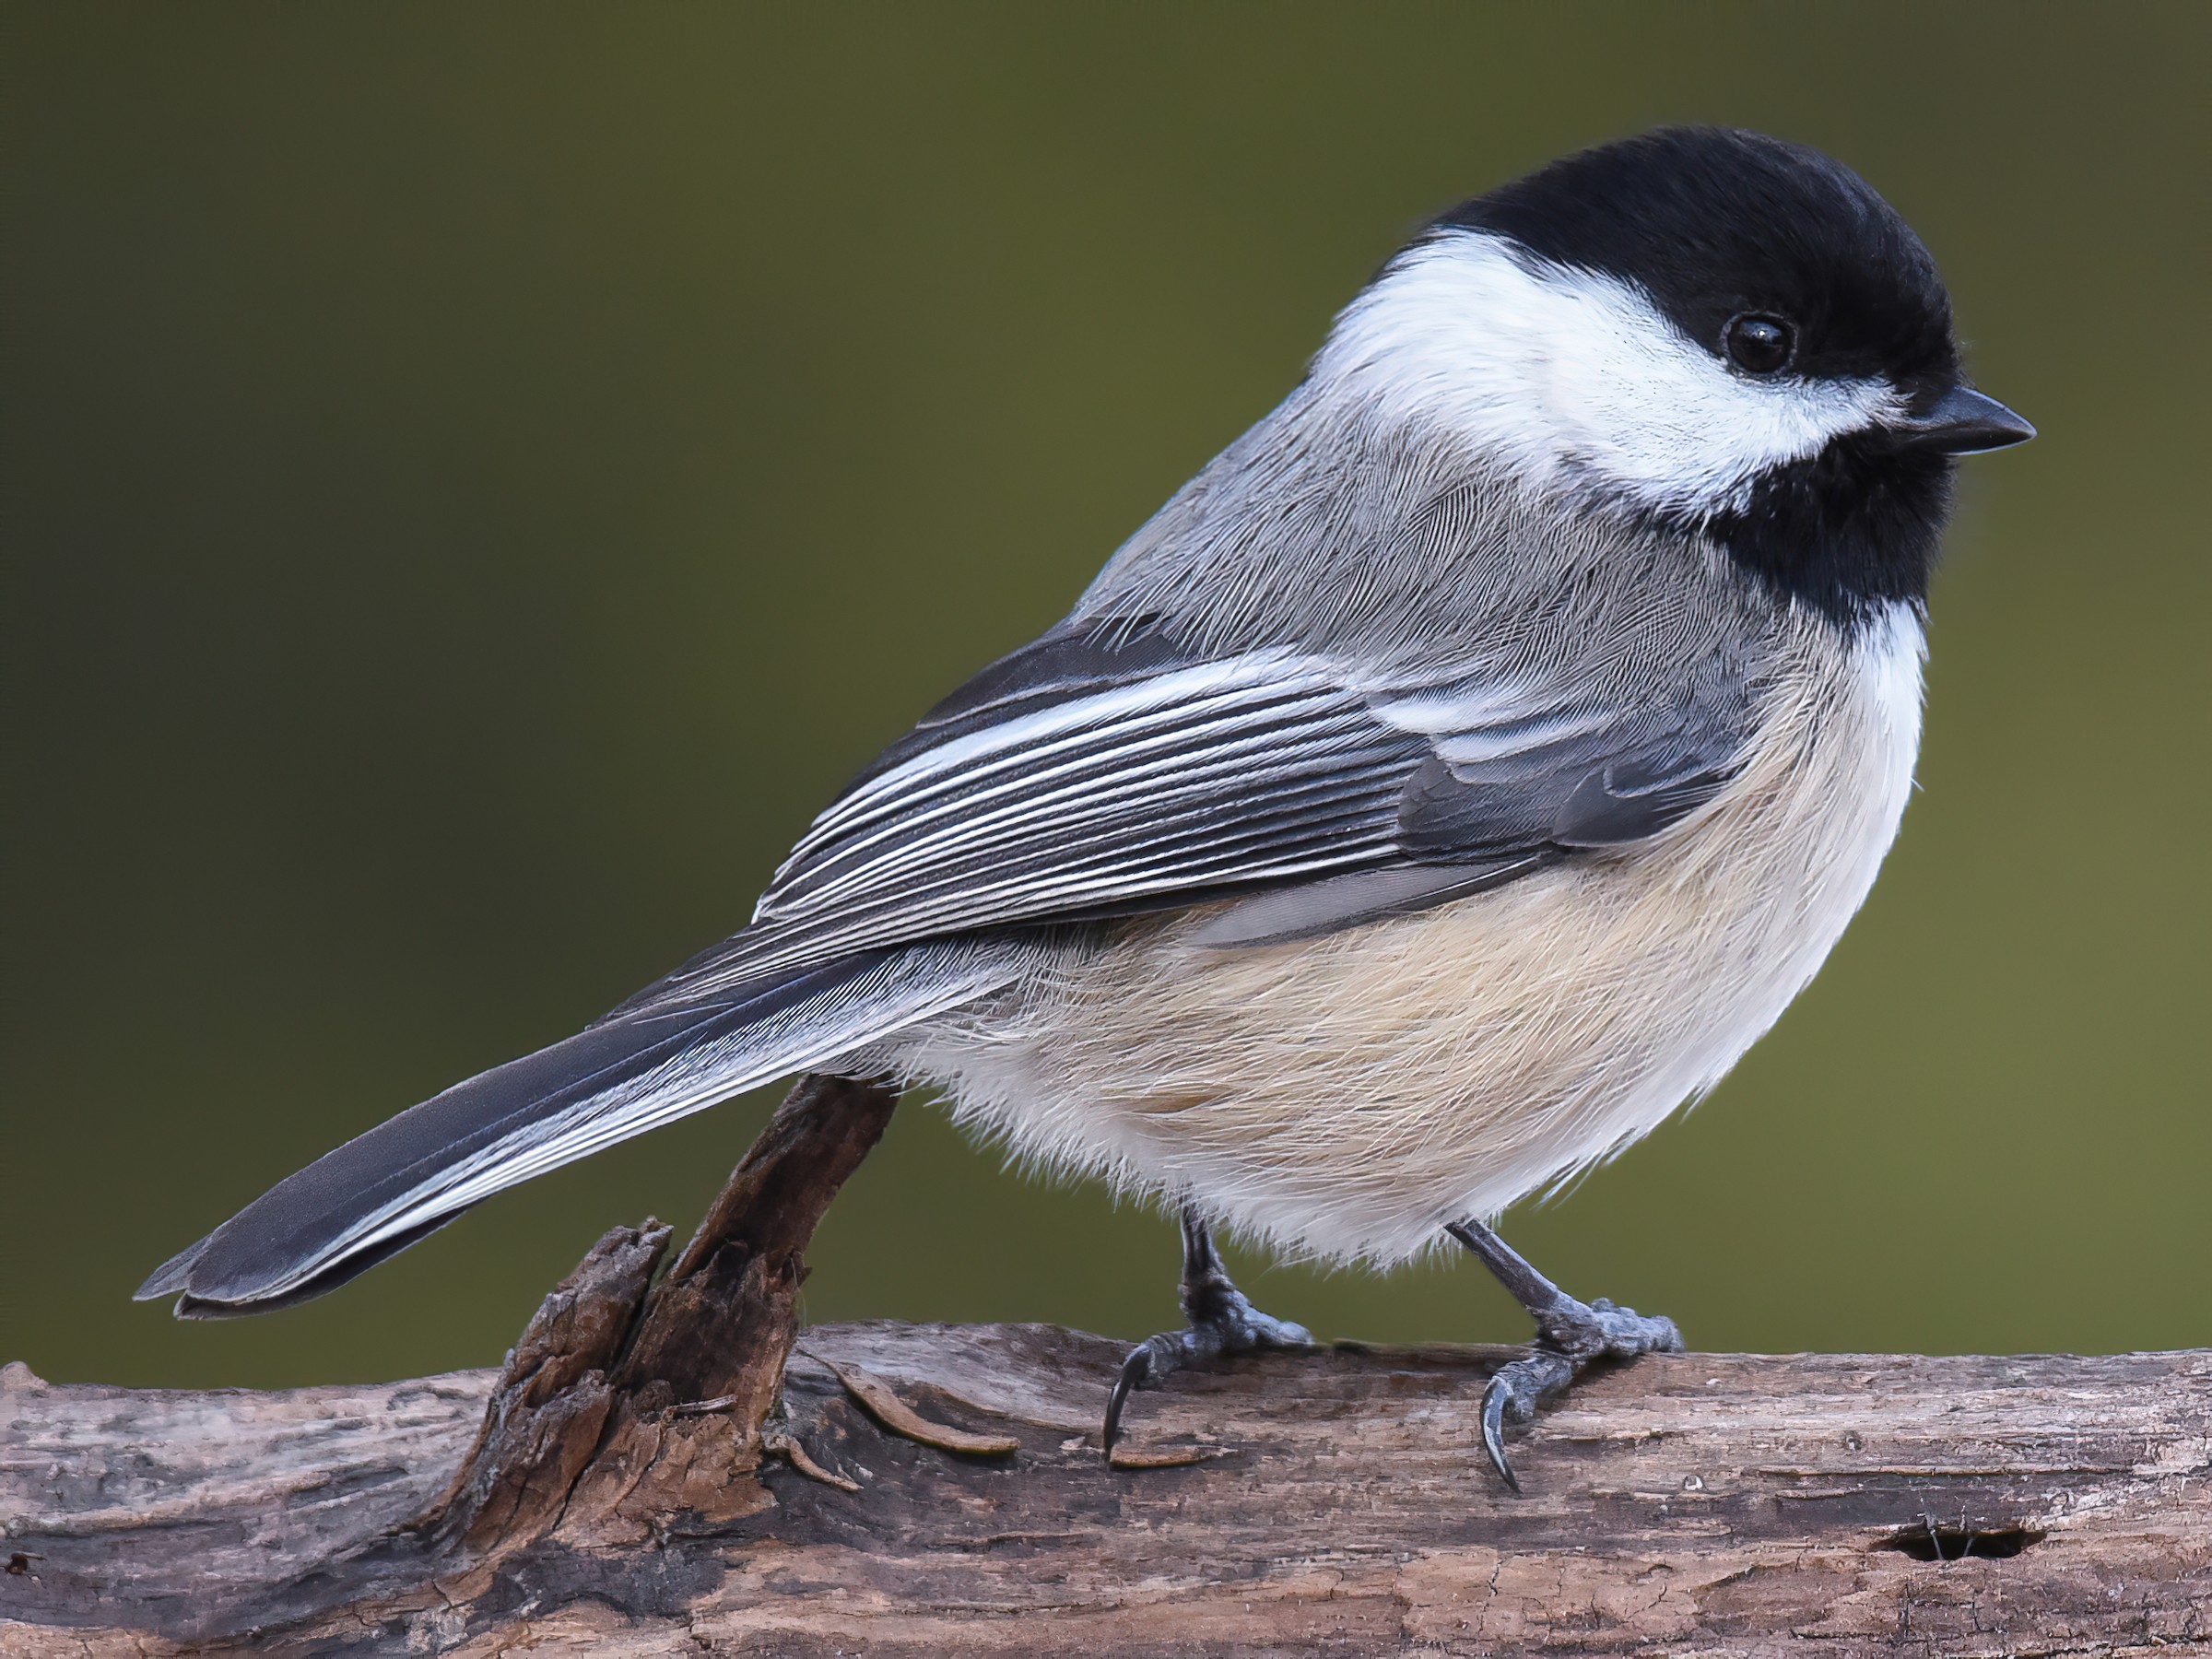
(1571, 1337)
(1222, 1321)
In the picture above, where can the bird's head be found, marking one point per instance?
(1707, 327)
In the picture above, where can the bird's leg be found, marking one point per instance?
(1569, 1335)
(1221, 1320)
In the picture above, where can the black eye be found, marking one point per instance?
(1759, 344)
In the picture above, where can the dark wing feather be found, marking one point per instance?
(1105, 771)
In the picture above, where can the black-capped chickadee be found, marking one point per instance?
(1457, 775)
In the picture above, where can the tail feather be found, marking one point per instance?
(635, 1070)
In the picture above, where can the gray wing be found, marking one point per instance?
(1105, 769)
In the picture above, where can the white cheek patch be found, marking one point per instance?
(1566, 375)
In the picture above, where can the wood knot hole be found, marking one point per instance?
(1926, 1540)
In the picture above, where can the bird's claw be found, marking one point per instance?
(1227, 1324)
(1571, 1337)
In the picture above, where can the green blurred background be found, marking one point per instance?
(479, 478)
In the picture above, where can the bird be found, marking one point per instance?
(1451, 780)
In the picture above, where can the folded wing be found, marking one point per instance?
(1104, 770)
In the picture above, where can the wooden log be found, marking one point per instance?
(633, 1481)
(1708, 1502)
(1732, 1504)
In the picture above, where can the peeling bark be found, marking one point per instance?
(629, 1404)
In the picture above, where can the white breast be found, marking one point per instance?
(1343, 1098)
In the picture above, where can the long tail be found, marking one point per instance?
(637, 1069)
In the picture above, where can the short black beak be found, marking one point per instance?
(1963, 422)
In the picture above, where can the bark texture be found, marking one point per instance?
(629, 1404)
(633, 1481)
(1717, 1505)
